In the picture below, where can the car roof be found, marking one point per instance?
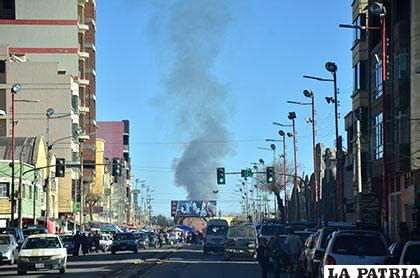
(43, 235)
(350, 232)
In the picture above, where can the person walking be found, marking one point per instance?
(292, 247)
(263, 257)
(276, 253)
(77, 238)
(85, 244)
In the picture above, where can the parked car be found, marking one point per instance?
(124, 242)
(34, 231)
(215, 235)
(8, 248)
(105, 242)
(68, 243)
(411, 253)
(356, 247)
(315, 253)
(241, 241)
(42, 251)
(267, 231)
(153, 240)
(142, 240)
(16, 232)
(303, 257)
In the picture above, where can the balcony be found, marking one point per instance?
(83, 55)
(83, 82)
(83, 109)
(82, 27)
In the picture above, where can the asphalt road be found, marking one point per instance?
(172, 262)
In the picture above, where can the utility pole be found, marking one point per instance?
(81, 186)
(20, 189)
(358, 171)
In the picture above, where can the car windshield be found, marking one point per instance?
(272, 230)
(412, 255)
(242, 232)
(216, 230)
(124, 237)
(359, 245)
(4, 240)
(42, 243)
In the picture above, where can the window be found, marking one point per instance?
(356, 78)
(4, 189)
(377, 79)
(378, 132)
(7, 9)
(30, 192)
(358, 34)
(2, 67)
(402, 64)
(397, 126)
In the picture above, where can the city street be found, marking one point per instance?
(178, 262)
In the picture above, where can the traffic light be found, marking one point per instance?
(243, 173)
(116, 167)
(270, 174)
(60, 167)
(221, 176)
(247, 173)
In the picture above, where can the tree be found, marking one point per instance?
(91, 201)
(162, 221)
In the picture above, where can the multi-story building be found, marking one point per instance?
(116, 135)
(387, 113)
(60, 31)
(43, 87)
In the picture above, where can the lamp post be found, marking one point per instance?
(309, 94)
(49, 113)
(292, 117)
(14, 90)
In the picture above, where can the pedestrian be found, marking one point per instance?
(194, 238)
(85, 244)
(276, 253)
(160, 238)
(263, 257)
(96, 238)
(292, 247)
(77, 238)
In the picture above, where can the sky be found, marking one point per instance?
(252, 53)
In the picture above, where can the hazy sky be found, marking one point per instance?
(256, 55)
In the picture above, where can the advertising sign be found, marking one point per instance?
(194, 208)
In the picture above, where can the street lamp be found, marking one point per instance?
(292, 117)
(14, 90)
(283, 135)
(48, 113)
(310, 94)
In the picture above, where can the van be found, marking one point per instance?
(215, 235)
(241, 241)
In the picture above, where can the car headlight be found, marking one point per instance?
(57, 257)
(24, 259)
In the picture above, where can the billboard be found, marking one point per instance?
(194, 208)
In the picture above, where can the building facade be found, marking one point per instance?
(116, 135)
(63, 32)
(387, 115)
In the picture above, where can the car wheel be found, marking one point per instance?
(227, 257)
(21, 272)
(112, 252)
(135, 251)
(63, 270)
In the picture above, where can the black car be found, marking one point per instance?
(124, 242)
(68, 242)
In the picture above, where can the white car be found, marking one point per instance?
(39, 252)
(356, 247)
(8, 248)
(105, 242)
(410, 253)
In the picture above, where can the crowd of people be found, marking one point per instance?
(88, 242)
